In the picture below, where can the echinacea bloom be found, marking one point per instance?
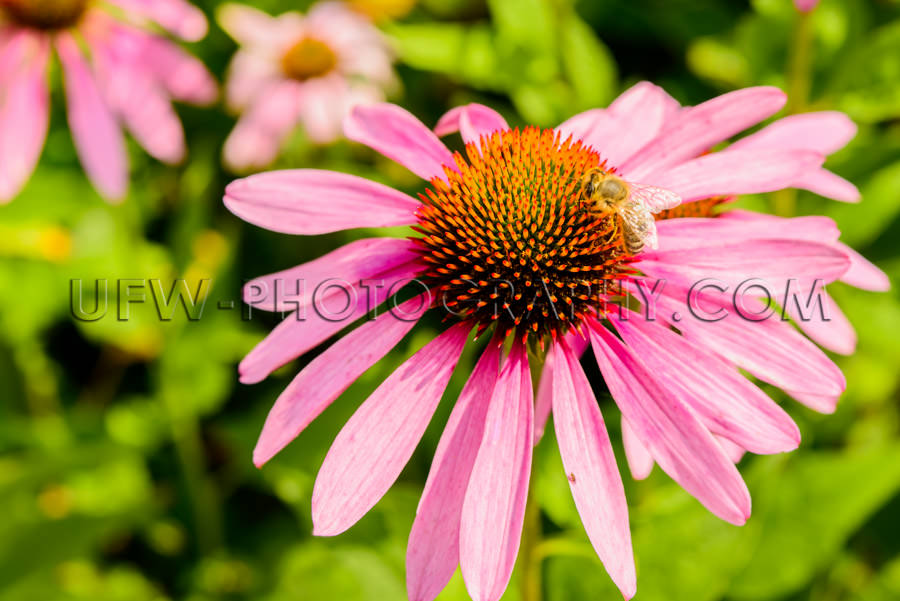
(506, 247)
(298, 69)
(117, 72)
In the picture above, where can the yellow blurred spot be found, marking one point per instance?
(144, 343)
(192, 278)
(55, 502)
(78, 578)
(35, 241)
(55, 243)
(210, 248)
(382, 9)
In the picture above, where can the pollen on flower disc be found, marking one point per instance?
(509, 239)
(308, 58)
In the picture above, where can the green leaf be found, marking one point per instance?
(809, 512)
(861, 225)
(681, 549)
(528, 22)
(866, 83)
(589, 65)
(466, 53)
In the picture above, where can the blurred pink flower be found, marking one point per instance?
(506, 247)
(805, 5)
(307, 69)
(117, 73)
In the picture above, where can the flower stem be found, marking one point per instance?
(799, 69)
(530, 556)
(201, 490)
(798, 81)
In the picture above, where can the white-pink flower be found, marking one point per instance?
(117, 73)
(507, 246)
(298, 69)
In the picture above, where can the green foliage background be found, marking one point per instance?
(125, 472)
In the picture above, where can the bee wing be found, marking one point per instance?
(639, 220)
(654, 198)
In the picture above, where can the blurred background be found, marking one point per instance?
(125, 445)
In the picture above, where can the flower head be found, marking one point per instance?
(307, 69)
(487, 232)
(118, 73)
(507, 245)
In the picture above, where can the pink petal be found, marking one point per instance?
(835, 333)
(805, 6)
(24, 111)
(323, 113)
(773, 261)
(348, 265)
(725, 401)
(697, 129)
(375, 444)
(741, 226)
(771, 350)
(156, 127)
(257, 138)
(295, 336)
(472, 121)
(259, 32)
(734, 452)
(827, 184)
(825, 132)
(640, 462)
(178, 16)
(248, 74)
(544, 400)
(327, 101)
(631, 121)
(310, 201)
(398, 135)
(863, 273)
(183, 76)
(814, 228)
(494, 507)
(590, 465)
(98, 139)
(737, 172)
(580, 126)
(671, 431)
(433, 550)
(342, 27)
(143, 105)
(245, 24)
(330, 374)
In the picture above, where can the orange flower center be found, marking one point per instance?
(509, 239)
(707, 207)
(308, 58)
(45, 14)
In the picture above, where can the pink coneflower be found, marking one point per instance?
(117, 73)
(307, 69)
(507, 247)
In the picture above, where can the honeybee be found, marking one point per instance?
(633, 204)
